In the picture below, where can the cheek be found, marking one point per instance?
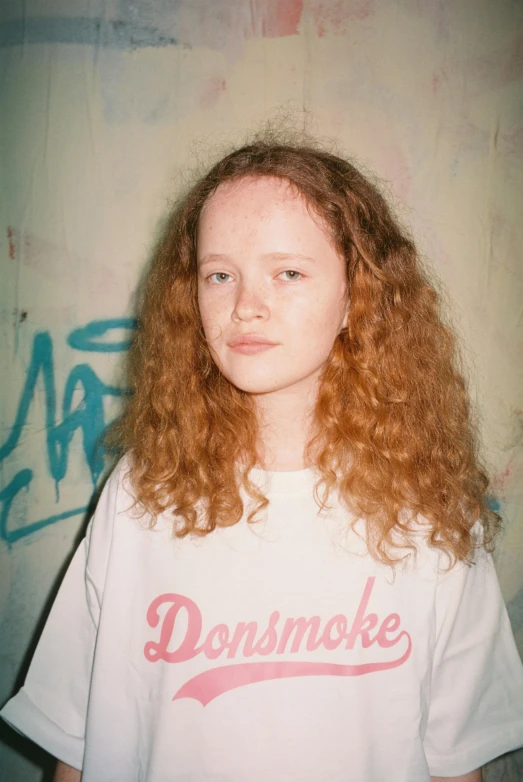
(320, 325)
(322, 315)
(206, 305)
(212, 316)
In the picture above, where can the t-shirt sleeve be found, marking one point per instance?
(476, 705)
(51, 707)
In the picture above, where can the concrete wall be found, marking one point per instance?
(104, 105)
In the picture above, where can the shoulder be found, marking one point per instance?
(116, 493)
(114, 506)
(423, 560)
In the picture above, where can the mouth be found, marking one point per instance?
(250, 347)
(250, 341)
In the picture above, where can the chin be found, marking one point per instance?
(255, 388)
(260, 385)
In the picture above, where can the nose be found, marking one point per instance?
(250, 304)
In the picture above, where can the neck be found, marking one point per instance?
(285, 429)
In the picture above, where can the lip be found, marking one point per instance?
(249, 345)
(250, 340)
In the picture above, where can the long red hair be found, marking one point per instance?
(394, 431)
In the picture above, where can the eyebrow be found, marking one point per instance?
(219, 257)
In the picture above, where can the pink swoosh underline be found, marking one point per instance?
(208, 685)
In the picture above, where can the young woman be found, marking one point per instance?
(288, 575)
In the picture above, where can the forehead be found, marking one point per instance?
(253, 201)
(256, 195)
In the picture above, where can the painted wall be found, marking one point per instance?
(105, 106)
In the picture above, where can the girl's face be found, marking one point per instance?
(267, 269)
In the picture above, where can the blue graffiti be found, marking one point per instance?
(88, 416)
(87, 337)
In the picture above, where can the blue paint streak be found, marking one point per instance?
(21, 481)
(87, 417)
(111, 34)
(494, 504)
(23, 532)
(85, 338)
(41, 362)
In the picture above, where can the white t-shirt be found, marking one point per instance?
(275, 651)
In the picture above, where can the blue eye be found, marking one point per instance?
(292, 271)
(218, 274)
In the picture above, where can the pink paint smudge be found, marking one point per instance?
(501, 481)
(227, 24)
(10, 239)
(396, 169)
(438, 79)
(336, 17)
(281, 17)
(212, 91)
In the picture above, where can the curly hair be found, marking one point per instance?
(394, 433)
